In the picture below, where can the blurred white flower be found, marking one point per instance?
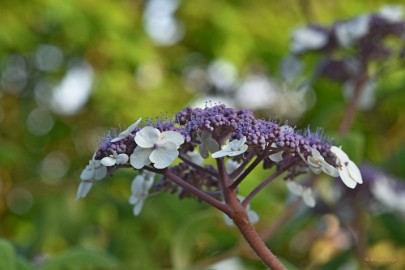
(348, 171)
(233, 148)
(127, 132)
(391, 13)
(385, 191)
(157, 147)
(140, 190)
(353, 30)
(114, 159)
(305, 193)
(306, 38)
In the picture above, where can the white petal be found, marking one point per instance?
(220, 153)
(172, 136)
(137, 185)
(133, 200)
(147, 137)
(329, 169)
(100, 173)
(83, 189)
(88, 173)
(342, 156)
(346, 178)
(354, 172)
(306, 38)
(316, 155)
(138, 207)
(195, 157)
(231, 165)
(315, 169)
(164, 155)
(140, 157)
(295, 188)
(239, 151)
(108, 161)
(122, 159)
(308, 197)
(277, 157)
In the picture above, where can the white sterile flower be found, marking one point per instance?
(127, 132)
(157, 147)
(195, 157)
(305, 193)
(252, 215)
(207, 144)
(348, 171)
(233, 148)
(306, 38)
(391, 13)
(352, 30)
(277, 157)
(317, 164)
(94, 171)
(114, 159)
(140, 190)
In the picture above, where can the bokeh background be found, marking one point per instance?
(70, 71)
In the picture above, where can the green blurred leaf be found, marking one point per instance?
(7, 255)
(23, 264)
(79, 259)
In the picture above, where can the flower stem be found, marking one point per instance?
(241, 220)
(198, 193)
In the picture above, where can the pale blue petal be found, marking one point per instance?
(83, 189)
(88, 173)
(108, 161)
(147, 137)
(122, 159)
(221, 153)
(172, 136)
(138, 207)
(100, 173)
(140, 157)
(164, 155)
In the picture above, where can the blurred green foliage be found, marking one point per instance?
(42, 151)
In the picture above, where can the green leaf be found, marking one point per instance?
(23, 264)
(7, 255)
(80, 259)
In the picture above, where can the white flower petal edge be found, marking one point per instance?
(127, 132)
(140, 190)
(318, 164)
(233, 148)
(306, 38)
(348, 171)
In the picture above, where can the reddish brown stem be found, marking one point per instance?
(241, 220)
